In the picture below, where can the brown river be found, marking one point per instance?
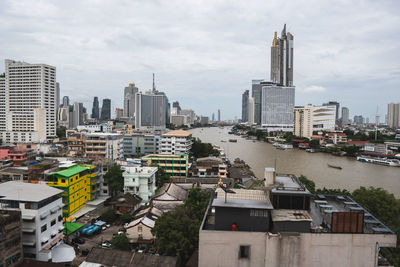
(260, 155)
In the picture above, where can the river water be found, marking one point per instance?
(260, 155)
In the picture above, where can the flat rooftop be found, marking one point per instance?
(283, 215)
(242, 204)
(289, 184)
(16, 170)
(243, 194)
(26, 192)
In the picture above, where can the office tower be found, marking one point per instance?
(336, 104)
(63, 117)
(393, 115)
(150, 111)
(324, 117)
(176, 109)
(303, 121)
(65, 103)
(190, 114)
(77, 115)
(95, 108)
(213, 117)
(119, 113)
(256, 88)
(345, 116)
(106, 110)
(57, 98)
(129, 100)
(28, 102)
(277, 107)
(358, 120)
(245, 106)
(282, 59)
(219, 115)
(250, 110)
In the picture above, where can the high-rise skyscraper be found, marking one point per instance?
(393, 115)
(77, 115)
(245, 106)
(277, 107)
(95, 108)
(106, 109)
(65, 103)
(282, 58)
(150, 111)
(213, 117)
(303, 121)
(219, 115)
(57, 98)
(256, 89)
(333, 103)
(129, 100)
(250, 111)
(345, 116)
(27, 102)
(176, 108)
(119, 113)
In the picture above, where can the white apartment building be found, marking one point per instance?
(251, 110)
(176, 142)
(41, 212)
(140, 181)
(303, 123)
(324, 118)
(27, 102)
(94, 145)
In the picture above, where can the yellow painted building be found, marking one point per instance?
(79, 185)
(174, 165)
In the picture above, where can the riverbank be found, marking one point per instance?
(260, 155)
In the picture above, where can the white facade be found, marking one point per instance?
(324, 118)
(140, 181)
(104, 128)
(179, 120)
(303, 123)
(28, 102)
(176, 143)
(277, 105)
(251, 110)
(140, 229)
(41, 212)
(191, 115)
(393, 115)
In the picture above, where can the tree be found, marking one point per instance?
(177, 231)
(114, 179)
(351, 150)
(309, 184)
(126, 218)
(108, 216)
(314, 143)
(200, 149)
(121, 242)
(61, 132)
(161, 176)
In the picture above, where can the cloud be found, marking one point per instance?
(313, 89)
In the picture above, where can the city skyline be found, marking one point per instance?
(338, 61)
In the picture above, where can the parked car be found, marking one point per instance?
(78, 240)
(106, 244)
(108, 225)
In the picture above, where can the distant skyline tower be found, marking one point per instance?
(219, 115)
(129, 100)
(345, 116)
(95, 108)
(154, 84)
(57, 98)
(65, 103)
(393, 115)
(245, 106)
(213, 117)
(282, 58)
(106, 110)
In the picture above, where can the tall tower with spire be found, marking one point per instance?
(282, 58)
(154, 85)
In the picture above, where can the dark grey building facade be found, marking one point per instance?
(129, 100)
(245, 106)
(106, 109)
(95, 108)
(256, 93)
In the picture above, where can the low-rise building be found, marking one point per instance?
(337, 138)
(285, 225)
(139, 230)
(125, 203)
(168, 197)
(10, 238)
(209, 167)
(174, 165)
(19, 174)
(176, 142)
(79, 185)
(41, 212)
(140, 181)
(137, 145)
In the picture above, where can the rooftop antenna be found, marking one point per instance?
(154, 85)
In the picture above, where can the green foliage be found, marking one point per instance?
(161, 176)
(114, 179)
(351, 150)
(108, 216)
(60, 131)
(342, 192)
(309, 184)
(126, 218)
(200, 149)
(314, 143)
(177, 231)
(120, 242)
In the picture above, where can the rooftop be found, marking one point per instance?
(140, 170)
(290, 215)
(71, 171)
(242, 203)
(243, 194)
(288, 184)
(164, 156)
(179, 133)
(26, 192)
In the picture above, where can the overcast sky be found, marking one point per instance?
(205, 53)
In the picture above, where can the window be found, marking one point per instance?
(62, 180)
(259, 213)
(43, 228)
(139, 229)
(53, 222)
(27, 206)
(60, 218)
(244, 252)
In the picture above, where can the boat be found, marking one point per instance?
(335, 167)
(380, 161)
(310, 150)
(284, 146)
(233, 140)
(223, 141)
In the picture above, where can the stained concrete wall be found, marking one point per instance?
(221, 248)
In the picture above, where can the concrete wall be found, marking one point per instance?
(133, 233)
(221, 248)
